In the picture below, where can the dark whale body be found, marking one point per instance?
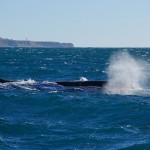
(71, 83)
(5, 81)
(83, 83)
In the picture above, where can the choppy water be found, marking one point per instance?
(36, 113)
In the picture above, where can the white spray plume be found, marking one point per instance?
(125, 74)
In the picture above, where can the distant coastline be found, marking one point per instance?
(40, 44)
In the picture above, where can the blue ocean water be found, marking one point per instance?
(36, 113)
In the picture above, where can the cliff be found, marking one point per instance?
(25, 43)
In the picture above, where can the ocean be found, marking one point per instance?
(36, 113)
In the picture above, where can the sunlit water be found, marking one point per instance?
(36, 113)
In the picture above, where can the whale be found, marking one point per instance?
(5, 81)
(71, 83)
(83, 83)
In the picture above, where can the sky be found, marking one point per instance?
(85, 23)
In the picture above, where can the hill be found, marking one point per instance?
(26, 43)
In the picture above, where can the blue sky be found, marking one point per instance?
(86, 23)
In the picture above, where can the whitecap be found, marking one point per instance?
(83, 79)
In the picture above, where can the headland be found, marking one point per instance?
(37, 44)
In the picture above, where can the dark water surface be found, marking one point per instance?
(35, 113)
